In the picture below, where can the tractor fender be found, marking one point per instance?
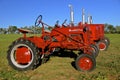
(38, 41)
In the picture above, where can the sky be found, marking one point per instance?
(22, 13)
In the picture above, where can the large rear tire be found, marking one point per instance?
(106, 39)
(102, 45)
(85, 63)
(23, 55)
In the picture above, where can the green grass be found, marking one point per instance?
(59, 68)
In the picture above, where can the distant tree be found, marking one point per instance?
(110, 28)
(118, 29)
(5, 31)
(37, 30)
(106, 28)
(1, 30)
(12, 29)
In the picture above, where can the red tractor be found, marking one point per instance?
(96, 33)
(28, 52)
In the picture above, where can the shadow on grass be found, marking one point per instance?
(61, 53)
(67, 53)
(73, 65)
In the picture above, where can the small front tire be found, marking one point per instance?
(85, 63)
(95, 50)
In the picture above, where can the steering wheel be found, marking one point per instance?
(57, 24)
(64, 22)
(38, 20)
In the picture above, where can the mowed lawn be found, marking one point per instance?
(60, 68)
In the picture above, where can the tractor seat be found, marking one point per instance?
(25, 31)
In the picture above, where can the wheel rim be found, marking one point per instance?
(85, 63)
(102, 46)
(14, 56)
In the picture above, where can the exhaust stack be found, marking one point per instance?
(83, 16)
(71, 15)
(90, 19)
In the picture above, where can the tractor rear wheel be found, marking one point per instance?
(102, 45)
(23, 55)
(85, 62)
(106, 39)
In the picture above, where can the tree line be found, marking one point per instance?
(13, 29)
(111, 29)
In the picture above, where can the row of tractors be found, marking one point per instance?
(86, 38)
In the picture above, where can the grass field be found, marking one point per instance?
(60, 68)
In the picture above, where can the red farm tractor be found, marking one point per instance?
(96, 33)
(28, 52)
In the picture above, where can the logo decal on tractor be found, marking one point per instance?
(75, 30)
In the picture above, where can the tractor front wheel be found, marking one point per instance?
(85, 62)
(23, 55)
(95, 50)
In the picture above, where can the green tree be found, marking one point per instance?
(12, 29)
(118, 29)
(110, 28)
(106, 28)
(1, 30)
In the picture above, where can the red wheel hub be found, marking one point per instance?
(23, 55)
(85, 63)
(102, 45)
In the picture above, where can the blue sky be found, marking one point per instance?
(24, 12)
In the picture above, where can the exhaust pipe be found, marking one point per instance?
(71, 15)
(90, 19)
(83, 16)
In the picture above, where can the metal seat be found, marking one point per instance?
(25, 31)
